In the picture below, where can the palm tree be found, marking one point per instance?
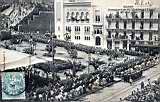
(73, 55)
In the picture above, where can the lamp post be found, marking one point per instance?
(67, 38)
(89, 60)
(31, 52)
(53, 51)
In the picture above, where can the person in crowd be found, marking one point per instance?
(142, 85)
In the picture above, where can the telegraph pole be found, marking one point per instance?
(4, 61)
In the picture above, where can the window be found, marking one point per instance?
(133, 36)
(142, 14)
(133, 14)
(86, 29)
(67, 17)
(109, 44)
(77, 16)
(133, 24)
(150, 36)
(87, 17)
(109, 34)
(98, 31)
(125, 24)
(126, 14)
(117, 15)
(116, 35)
(77, 37)
(86, 38)
(141, 36)
(77, 29)
(109, 24)
(72, 16)
(82, 16)
(97, 18)
(68, 28)
(151, 13)
(98, 41)
(155, 38)
(117, 25)
(150, 25)
(124, 44)
(124, 36)
(142, 24)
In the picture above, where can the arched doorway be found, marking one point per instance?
(98, 41)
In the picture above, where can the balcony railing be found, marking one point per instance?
(134, 19)
(117, 37)
(133, 42)
(131, 30)
(98, 23)
(73, 20)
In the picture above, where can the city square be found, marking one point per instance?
(79, 51)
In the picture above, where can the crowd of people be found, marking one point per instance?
(88, 49)
(135, 68)
(56, 89)
(147, 93)
(71, 88)
(40, 88)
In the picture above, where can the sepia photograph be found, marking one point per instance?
(79, 51)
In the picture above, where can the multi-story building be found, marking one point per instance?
(125, 27)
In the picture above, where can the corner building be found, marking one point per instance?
(128, 27)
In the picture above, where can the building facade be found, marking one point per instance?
(126, 27)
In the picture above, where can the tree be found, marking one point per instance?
(73, 55)
(95, 62)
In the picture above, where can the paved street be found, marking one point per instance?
(15, 59)
(121, 89)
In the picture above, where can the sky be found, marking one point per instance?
(118, 3)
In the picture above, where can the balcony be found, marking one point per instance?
(98, 23)
(134, 19)
(131, 30)
(117, 38)
(145, 43)
(77, 32)
(78, 20)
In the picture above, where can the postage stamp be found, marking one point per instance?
(13, 85)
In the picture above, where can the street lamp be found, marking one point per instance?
(89, 60)
(52, 45)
